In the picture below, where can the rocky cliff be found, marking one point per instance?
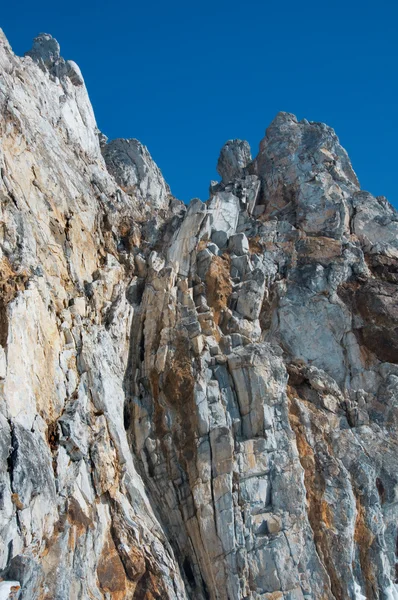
(196, 402)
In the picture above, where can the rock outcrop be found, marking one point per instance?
(196, 402)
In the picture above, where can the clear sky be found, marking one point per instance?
(184, 76)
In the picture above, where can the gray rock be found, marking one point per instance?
(238, 244)
(186, 237)
(241, 266)
(375, 222)
(250, 295)
(220, 238)
(213, 248)
(180, 417)
(306, 175)
(135, 171)
(45, 50)
(224, 210)
(235, 155)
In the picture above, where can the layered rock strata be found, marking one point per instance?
(196, 402)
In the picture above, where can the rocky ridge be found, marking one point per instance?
(196, 402)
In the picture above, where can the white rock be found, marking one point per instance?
(3, 363)
(8, 589)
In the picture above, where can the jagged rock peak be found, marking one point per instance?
(234, 157)
(135, 171)
(306, 176)
(45, 49)
(46, 53)
(311, 141)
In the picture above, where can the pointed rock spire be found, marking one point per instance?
(45, 50)
(235, 155)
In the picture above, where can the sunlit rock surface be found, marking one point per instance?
(196, 402)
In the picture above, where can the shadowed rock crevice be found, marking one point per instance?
(376, 304)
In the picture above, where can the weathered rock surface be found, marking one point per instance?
(234, 157)
(195, 403)
(134, 170)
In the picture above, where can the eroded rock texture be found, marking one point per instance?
(196, 402)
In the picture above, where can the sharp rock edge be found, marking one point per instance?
(196, 402)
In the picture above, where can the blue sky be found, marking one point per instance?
(183, 77)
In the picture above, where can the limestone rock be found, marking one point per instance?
(375, 223)
(235, 155)
(135, 171)
(74, 73)
(239, 244)
(306, 175)
(45, 50)
(223, 210)
(195, 402)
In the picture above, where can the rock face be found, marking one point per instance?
(196, 403)
(235, 155)
(134, 170)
